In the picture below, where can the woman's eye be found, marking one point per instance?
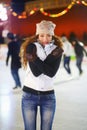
(41, 36)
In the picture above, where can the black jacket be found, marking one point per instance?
(13, 52)
(79, 49)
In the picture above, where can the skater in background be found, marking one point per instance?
(79, 52)
(67, 53)
(13, 52)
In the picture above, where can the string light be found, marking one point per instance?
(22, 16)
(64, 11)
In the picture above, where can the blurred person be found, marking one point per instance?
(41, 56)
(1, 40)
(67, 53)
(13, 52)
(79, 52)
(18, 39)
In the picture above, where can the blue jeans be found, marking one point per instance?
(14, 72)
(47, 105)
(79, 63)
(67, 64)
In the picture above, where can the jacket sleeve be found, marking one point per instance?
(8, 53)
(34, 69)
(48, 67)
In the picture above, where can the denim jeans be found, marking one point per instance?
(47, 105)
(79, 63)
(14, 72)
(67, 64)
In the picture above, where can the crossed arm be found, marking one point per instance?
(48, 67)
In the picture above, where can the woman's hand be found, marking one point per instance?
(57, 52)
(31, 52)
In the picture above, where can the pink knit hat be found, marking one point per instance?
(46, 27)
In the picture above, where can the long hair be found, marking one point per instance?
(57, 41)
(30, 40)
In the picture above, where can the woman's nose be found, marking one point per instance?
(45, 39)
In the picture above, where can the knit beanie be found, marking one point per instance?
(46, 27)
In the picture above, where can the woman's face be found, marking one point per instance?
(45, 38)
(73, 42)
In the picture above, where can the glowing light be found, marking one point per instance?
(19, 16)
(84, 3)
(14, 14)
(32, 12)
(3, 13)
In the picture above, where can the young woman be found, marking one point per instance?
(41, 55)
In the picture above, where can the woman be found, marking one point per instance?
(41, 55)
